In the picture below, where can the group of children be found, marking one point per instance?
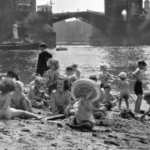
(54, 91)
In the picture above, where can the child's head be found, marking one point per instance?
(69, 71)
(53, 64)
(39, 82)
(147, 98)
(62, 84)
(104, 67)
(93, 78)
(122, 76)
(72, 79)
(142, 64)
(42, 46)
(45, 76)
(7, 85)
(12, 75)
(107, 88)
(19, 87)
(75, 66)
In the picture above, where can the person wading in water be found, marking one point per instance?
(42, 60)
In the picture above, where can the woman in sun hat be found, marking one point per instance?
(104, 74)
(85, 91)
(124, 89)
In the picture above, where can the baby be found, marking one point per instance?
(19, 99)
(109, 101)
(124, 89)
(37, 95)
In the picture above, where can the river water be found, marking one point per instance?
(88, 58)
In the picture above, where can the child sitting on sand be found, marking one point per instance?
(7, 86)
(147, 99)
(37, 95)
(104, 75)
(18, 98)
(138, 75)
(53, 73)
(109, 101)
(76, 70)
(61, 97)
(124, 89)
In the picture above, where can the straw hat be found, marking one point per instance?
(123, 75)
(81, 88)
(105, 65)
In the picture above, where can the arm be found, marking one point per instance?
(38, 65)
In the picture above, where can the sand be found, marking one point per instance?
(113, 133)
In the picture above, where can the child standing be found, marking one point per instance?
(53, 73)
(19, 99)
(77, 71)
(61, 97)
(104, 75)
(7, 86)
(138, 75)
(124, 89)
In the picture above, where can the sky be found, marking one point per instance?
(74, 5)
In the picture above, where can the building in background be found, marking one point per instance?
(147, 9)
(44, 8)
(73, 32)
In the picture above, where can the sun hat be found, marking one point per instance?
(123, 75)
(105, 65)
(81, 88)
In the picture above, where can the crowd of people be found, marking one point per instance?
(52, 90)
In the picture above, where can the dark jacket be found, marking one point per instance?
(42, 62)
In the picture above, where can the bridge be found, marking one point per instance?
(112, 23)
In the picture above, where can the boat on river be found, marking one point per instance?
(61, 49)
(15, 46)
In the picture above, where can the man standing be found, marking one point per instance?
(42, 60)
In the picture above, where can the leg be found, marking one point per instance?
(127, 103)
(139, 102)
(20, 113)
(120, 101)
(136, 103)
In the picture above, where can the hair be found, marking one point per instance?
(21, 85)
(122, 78)
(11, 74)
(107, 87)
(93, 77)
(39, 80)
(66, 82)
(7, 85)
(75, 66)
(142, 62)
(72, 79)
(147, 96)
(54, 62)
(70, 68)
(43, 45)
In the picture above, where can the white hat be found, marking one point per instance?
(78, 88)
(123, 75)
(105, 65)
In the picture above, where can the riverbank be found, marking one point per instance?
(113, 133)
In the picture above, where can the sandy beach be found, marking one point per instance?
(112, 133)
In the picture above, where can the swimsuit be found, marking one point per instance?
(138, 88)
